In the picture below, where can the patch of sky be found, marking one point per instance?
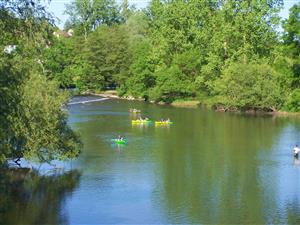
(57, 7)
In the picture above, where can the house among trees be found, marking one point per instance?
(61, 33)
(9, 48)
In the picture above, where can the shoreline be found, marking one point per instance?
(193, 104)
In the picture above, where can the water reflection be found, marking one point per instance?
(296, 161)
(208, 167)
(28, 198)
(213, 175)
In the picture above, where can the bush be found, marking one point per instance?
(293, 102)
(247, 86)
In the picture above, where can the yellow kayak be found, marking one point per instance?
(163, 122)
(140, 121)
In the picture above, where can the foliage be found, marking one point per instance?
(291, 27)
(142, 77)
(32, 122)
(36, 126)
(182, 50)
(171, 83)
(87, 15)
(107, 50)
(56, 60)
(289, 60)
(293, 101)
(248, 86)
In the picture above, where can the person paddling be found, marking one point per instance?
(120, 138)
(296, 151)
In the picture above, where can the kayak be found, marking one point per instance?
(134, 110)
(119, 141)
(140, 121)
(163, 122)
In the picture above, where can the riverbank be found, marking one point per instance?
(193, 104)
(176, 103)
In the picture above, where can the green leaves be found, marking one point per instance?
(87, 15)
(34, 126)
(223, 52)
(293, 101)
(292, 30)
(32, 122)
(248, 86)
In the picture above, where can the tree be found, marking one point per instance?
(87, 15)
(56, 59)
(291, 28)
(289, 62)
(141, 77)
(107, 51)
(125, 10)
(185, 49)
(171, 84)
(34, 125)
(247, 86)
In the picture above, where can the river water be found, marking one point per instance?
(206, 168)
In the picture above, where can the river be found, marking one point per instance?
(206, 168)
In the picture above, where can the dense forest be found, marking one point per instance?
(229, 55)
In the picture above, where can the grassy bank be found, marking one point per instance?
(186, 103)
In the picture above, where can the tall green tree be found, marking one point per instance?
(56, 59)
(87, 15)
(247, 87)
(289, 62)
(107, 50)
(30, 105)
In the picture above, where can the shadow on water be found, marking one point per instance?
(29, 198)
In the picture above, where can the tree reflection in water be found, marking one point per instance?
(29, 198)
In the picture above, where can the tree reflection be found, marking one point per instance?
(28, 198)
(216, 179)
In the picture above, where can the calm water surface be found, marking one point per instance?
(207, 167)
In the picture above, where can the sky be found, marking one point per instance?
(57, 7)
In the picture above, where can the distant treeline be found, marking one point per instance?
(228, 54)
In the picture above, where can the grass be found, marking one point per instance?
(186, 103)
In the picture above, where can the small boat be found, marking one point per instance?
(134, 110)
(119, 141)
(163, 122)
(141, 121)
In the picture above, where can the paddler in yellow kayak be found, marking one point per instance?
(165, 121)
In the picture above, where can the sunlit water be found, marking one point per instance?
(206, 168)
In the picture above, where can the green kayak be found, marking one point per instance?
(119, 141)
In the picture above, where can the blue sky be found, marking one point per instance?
(57, 7)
